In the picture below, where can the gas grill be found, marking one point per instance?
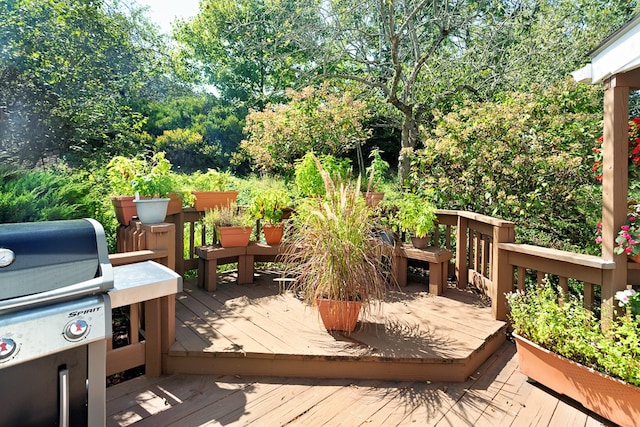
(55, 316)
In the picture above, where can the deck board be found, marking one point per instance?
(277, 330)
(273, 364)
(497, 395)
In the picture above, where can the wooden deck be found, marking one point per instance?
(496, 395)
(255, 330)
(248, 354)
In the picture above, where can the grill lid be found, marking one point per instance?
(49, 261)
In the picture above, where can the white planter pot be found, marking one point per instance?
(152, 211)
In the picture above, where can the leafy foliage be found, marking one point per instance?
(314, 120)
(522, 159)
(46, 194)
(308, 176)
(69, 70)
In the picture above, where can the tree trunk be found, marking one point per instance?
(408, 139)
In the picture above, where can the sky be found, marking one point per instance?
(162, 12)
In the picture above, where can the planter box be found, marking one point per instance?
(609, 397)
(213, 199)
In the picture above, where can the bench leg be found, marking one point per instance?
(400, 270)
(245, 269)
(210, 267)
(436, 277)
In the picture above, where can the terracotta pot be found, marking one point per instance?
(152, 211)
(213, 199)
(339, 315)
(125, 208)
(232, 237)
(420, 242)
(609, 397)
(635, 258)
(175, 204)
(373, 198)
(273, 233)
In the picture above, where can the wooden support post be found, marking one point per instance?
(162, 237)
(614, 190)
(462, 269)
(153, 337)
(501, 270)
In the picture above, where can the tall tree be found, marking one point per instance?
(247, 49)
(68, 70)
(420, 54)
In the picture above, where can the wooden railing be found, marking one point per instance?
(153, 319)
(476, 261)
(486, 256)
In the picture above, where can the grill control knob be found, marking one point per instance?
(7, 348)
(76, 330)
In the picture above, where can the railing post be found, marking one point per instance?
(501, 270)
(462, 269)
(162, 335)
(178, 220)
(614, 190)
(162, 237)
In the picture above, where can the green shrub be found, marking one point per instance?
(525, 158)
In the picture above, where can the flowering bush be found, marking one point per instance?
(628, 240)
(630, 300)
(634, 152)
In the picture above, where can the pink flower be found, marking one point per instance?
(625, 228)
(599, 239)
(628, 250)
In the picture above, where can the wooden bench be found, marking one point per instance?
(208, 259)
(256, 252)
(438, 259)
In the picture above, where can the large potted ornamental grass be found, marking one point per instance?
(339, 264)
(562, 345)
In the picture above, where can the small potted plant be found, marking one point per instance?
(335, 255)
(563, 346)
(376, 174)
(153, 184)
(232, 226)
(414, 214)
(268, 207)
(212, 189)
(120, 172)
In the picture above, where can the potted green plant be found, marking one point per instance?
(376, 173)
(232, 226)
(120, 172)
(413, 214)
(153, 184)
(212, 189)
(562, 345)
(268, 207)
(334, 254)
